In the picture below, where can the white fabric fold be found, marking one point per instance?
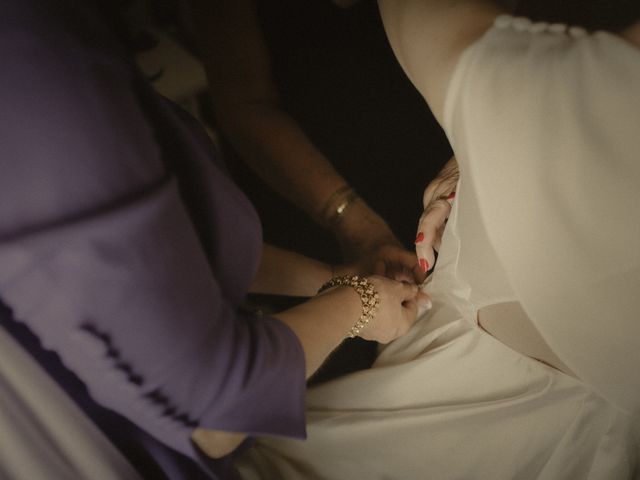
(44, 434)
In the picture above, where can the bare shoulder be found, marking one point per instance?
(428, 37)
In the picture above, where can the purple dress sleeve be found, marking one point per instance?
(128, 254)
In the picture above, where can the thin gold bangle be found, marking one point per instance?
(336, 205)
(368, 297)
(342, 207)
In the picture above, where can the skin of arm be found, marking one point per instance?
(320, 327)
(283, 272)
(317, 323)
(320, 323)
(249, 112)
(452, 25)
(248, 108)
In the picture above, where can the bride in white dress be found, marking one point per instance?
(527, 366)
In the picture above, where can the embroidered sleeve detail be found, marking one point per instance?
(156, 398)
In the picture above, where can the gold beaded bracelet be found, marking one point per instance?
(368, 296)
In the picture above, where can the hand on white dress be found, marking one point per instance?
(391, 260)
(371, 247)
(437, 200)
(398, 310)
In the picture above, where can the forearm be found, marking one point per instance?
(282, 155)
(277, 149)
(363, 227)
(247, 106)
(283, 272)
(320, 328)
(322, 323)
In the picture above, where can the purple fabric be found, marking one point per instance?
(124, 247)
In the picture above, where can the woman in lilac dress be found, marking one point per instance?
(127, 252)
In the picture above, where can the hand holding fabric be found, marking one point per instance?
(437, 200)
(391, 260)
(372, 248)
(398, 310)
(394, 311)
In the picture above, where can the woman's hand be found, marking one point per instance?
(388, 259)
(397, 310)
(393, 261)
(322, 323)
(437, 200)
(372, 248)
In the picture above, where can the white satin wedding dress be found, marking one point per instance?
(544, 123)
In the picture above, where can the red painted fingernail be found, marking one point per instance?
(419, 237)
(451, 196)
(424, 265)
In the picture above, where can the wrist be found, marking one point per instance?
(363, 228)
(334, 209)
(322, 323)
(369, 299)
